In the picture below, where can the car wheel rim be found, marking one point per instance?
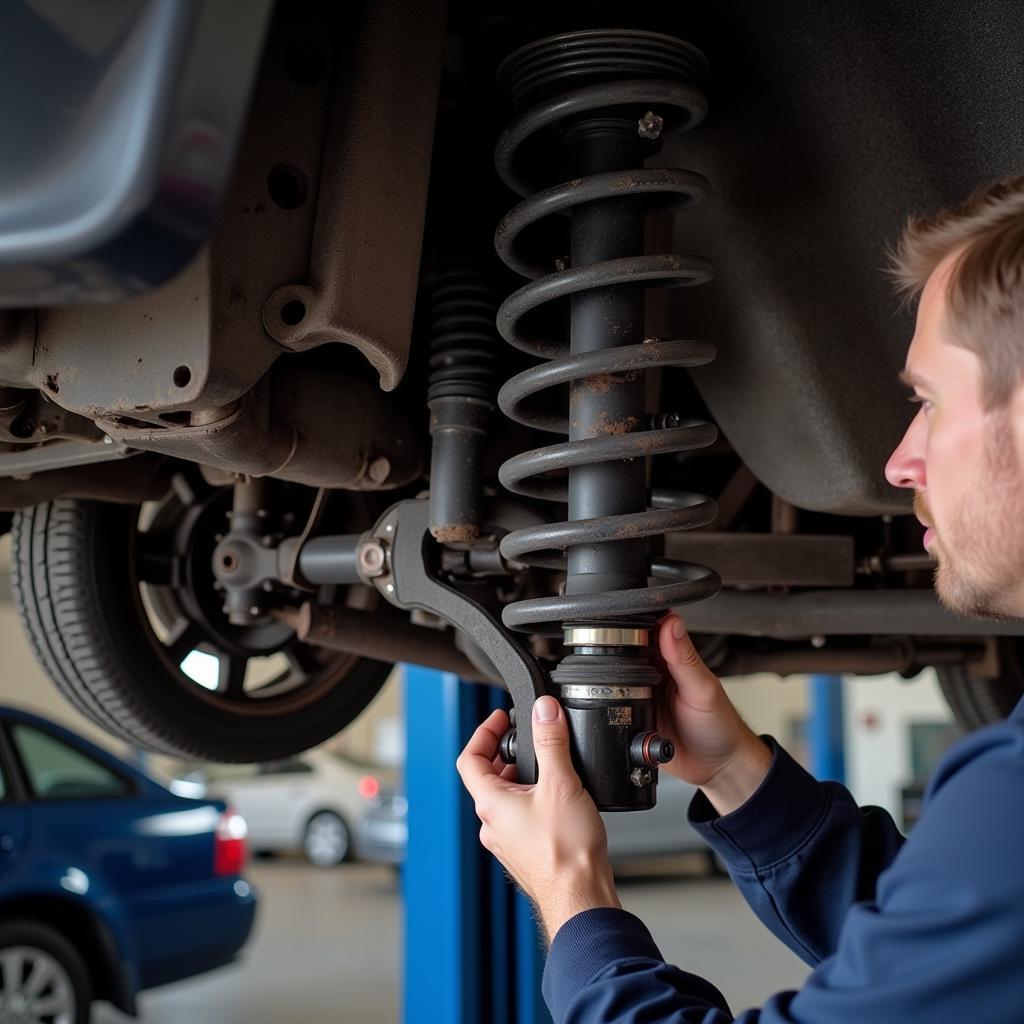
(34, 988)
(326, 840)
(256, 671)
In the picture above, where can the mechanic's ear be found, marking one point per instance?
(551, 742)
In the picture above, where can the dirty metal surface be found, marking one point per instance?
(360, 287)
(752, 559)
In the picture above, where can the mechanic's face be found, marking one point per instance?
(964, 466)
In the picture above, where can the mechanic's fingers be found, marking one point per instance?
(682, 660)
(476, 762)
(551, 742)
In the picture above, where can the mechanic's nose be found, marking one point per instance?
(906, 466)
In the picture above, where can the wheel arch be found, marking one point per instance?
(110, 968)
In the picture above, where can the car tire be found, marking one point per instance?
(327, 840)
(40, 948)
(979, 702)
(76, 584)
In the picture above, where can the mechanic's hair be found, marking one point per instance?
(985, 298)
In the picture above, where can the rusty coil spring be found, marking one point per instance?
(539, 473)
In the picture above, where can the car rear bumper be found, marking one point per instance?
(195, 928)
(383, 839)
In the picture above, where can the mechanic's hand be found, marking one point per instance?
(715, 748)
(548, 836)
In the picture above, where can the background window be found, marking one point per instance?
(57, 771)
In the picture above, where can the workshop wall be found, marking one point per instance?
(775, 705)
(896, 729)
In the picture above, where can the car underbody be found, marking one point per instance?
(262, 294)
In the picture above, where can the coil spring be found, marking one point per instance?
(660, 70)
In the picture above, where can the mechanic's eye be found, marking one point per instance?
(925, 403)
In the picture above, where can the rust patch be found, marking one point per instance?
(455, 533)
(632, 531)
(607, 426)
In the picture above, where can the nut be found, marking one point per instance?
(650, 125)
(641, 777)
(372, 558)
(379, 470)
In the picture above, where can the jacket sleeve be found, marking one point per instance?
(801, 852)
(940, 941)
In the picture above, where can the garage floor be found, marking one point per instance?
(328, 942)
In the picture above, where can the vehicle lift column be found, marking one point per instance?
(826, 726)
(473, 952)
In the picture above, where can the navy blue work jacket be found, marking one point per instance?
(927, 929)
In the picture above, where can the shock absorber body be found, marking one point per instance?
(592, 107)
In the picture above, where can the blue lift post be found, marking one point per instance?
(825, 728)
(473, 952)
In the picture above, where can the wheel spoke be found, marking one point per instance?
(231, 677)
(303, 661)
(51, 1005)
(191, 489)
(157, 563)
(40, 975)
(186, 641)
(13, 968)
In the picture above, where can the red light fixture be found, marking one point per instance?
(229, 846)
(369, 787)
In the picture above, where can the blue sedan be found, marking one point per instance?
(109, 883)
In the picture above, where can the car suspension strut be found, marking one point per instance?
(461, 391)
(592, 107)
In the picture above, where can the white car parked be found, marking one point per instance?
(310, 803)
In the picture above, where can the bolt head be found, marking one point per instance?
(379, 470)
(650, 125)
(255, 610)
(641, 777)
(817, 641)
(107, 439)
(371, 558)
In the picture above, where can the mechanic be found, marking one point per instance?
(929, 928)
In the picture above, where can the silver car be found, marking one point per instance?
(664, 830)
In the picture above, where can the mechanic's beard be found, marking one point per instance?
(981, 550)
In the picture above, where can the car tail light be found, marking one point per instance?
(369, 787)
(229, 843)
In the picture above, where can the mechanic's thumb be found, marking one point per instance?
(681, 658)
(551, 740)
